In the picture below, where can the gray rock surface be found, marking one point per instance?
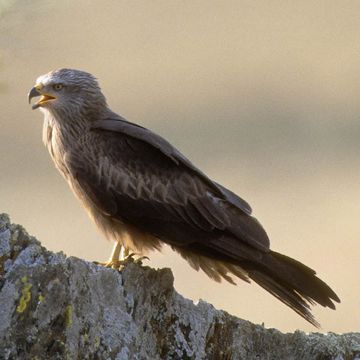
(58, 307)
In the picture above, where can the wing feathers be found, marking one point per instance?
(210, 212)
(117, 124)
(138, 178)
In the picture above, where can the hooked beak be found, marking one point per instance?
(36, 91)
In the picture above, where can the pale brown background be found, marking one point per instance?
(261, 95)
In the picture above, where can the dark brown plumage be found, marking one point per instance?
(142, 192)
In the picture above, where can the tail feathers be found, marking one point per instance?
(288, 296)
(305, 280)
(293, 283)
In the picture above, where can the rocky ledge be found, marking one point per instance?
(58, 307)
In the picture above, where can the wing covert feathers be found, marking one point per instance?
(117, 124)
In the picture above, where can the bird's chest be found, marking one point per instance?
(54, 142)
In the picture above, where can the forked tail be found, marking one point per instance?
(293, 283)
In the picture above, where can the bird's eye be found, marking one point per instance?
(58, 87)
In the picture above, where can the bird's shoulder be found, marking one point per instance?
(136, 135)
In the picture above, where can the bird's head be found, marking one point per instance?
(67, 91)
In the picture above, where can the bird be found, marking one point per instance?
(142, 193)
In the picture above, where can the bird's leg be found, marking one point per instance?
(120, 256)
(124, 254)
(114, 261)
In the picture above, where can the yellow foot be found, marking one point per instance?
(113, 264)
(120, 264)
(130, 258)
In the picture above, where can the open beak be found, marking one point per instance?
(36, 91)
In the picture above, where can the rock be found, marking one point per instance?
(58, 307)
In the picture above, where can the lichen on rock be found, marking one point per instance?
(25, 295)
(58, 307)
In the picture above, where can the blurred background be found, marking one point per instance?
(263, 96)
